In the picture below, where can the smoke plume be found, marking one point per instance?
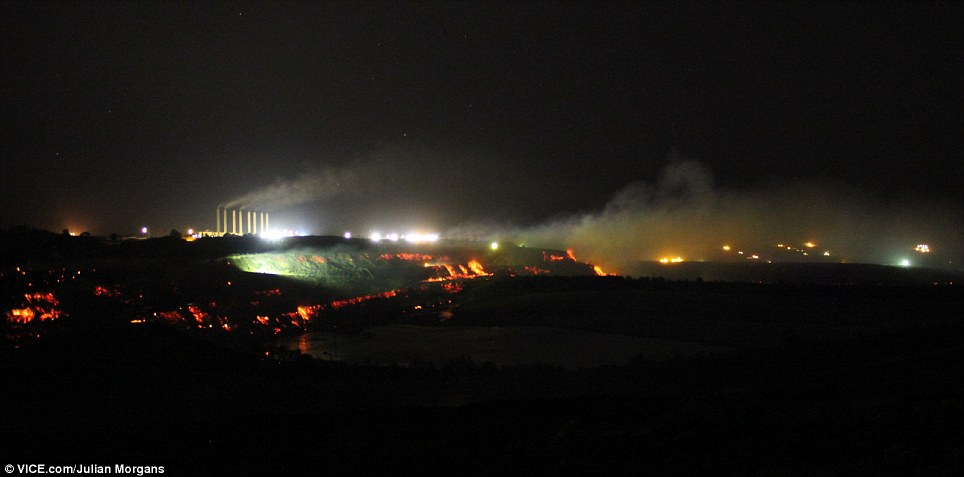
(682, 214)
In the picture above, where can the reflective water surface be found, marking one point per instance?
(503, 346)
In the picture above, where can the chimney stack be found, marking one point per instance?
(217, 228)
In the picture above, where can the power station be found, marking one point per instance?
(242, 221)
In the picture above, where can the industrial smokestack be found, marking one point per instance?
(248, 230)
(217, 228)
(225, 220)
(266, 224)
(234, 221)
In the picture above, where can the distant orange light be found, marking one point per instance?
(810, 245)
(726, 248)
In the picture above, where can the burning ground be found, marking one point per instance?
(159, 349)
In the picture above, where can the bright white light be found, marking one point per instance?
(375, 236)
(143, 230)
(415, 237)
(272, 235)
(393, 237)
(347, 235)
(190, 231)
(494, 246)
(905, 263)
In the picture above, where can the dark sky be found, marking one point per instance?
(122, 114)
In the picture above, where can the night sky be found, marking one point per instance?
(443, 115)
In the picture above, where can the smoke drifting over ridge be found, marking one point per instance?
(680, 213)
(683, 215)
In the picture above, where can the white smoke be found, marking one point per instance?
(683, 214)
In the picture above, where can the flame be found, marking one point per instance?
(571, 255)
(599, 271)
(476, 268)
(308, 312)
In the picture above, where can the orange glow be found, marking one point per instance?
(571, 255)
(536, 270)
(671, 260)
(726, 248)
(359, 299)
(104, 291)
(199, 315)
(171, 316)
(810, 245)
(453, 287)
(599, 271)
(45, 298)
(308, 312)
(262, 319)
(407, 256)
(476, 268)
(20, 315)
(42, 309)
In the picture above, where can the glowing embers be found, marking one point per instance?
(361, 299)
(535, 270)
(104, 291)
(411, 257)
(40, 307)
(195, 316)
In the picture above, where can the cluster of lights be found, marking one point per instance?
(411, 237)
(275, 234)
(671, 260)
(922, 248)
